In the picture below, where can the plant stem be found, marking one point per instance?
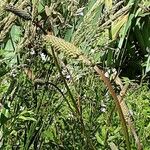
(113, 94)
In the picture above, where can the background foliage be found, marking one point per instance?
(37, 107)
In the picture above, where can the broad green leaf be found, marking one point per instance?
(15, 34)
(117, 25)
(125, 30)
(41, 7)
(69, 34)
(9, 46)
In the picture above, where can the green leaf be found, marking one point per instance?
(27, 118)
(112, 146)
(40, 7)
(15, 34)
(26, 115)
(125, 30)
(3, 119)
(99, 139)
(4, 116)
(117, 25)
(69, 34)
(108, 4)
(148, 65)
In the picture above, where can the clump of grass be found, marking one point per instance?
(68, 48)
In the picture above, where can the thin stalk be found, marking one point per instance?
(73, 101)
(66, 85)
(113, 94)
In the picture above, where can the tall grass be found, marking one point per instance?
(52, 96)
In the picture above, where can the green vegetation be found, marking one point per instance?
(74, 74)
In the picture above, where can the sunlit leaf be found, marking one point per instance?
(27, 118)
(113, 146)
(117, 25)
(99, 139)
(108, 4)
